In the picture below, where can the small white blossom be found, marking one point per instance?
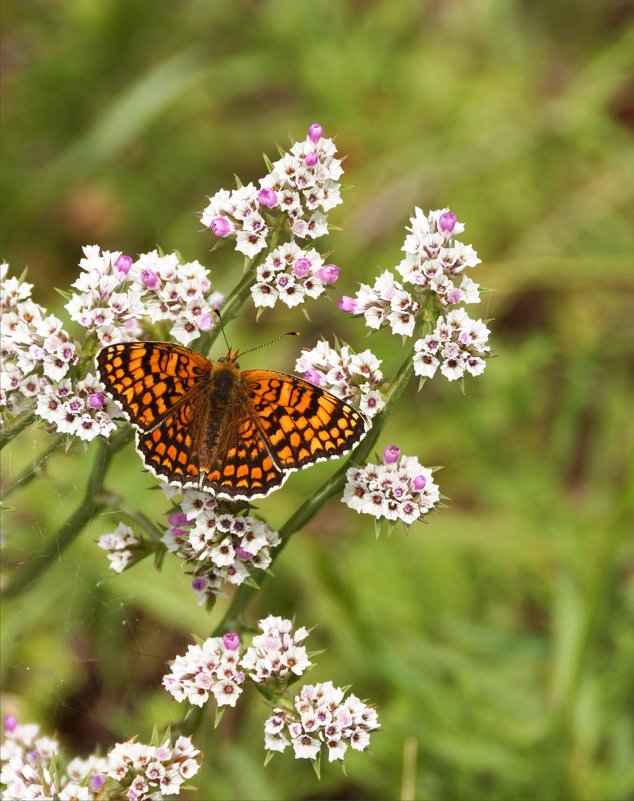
(276, 652)
(457, 345)
(386, 303)
(117, 545)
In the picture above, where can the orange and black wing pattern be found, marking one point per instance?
(301, 423)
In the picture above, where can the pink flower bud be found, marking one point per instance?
(447, 222)
(347, 304)
(149, 278)
(455, 295)
(313, 376)
(267, 197)
(198, 583)
(329, 273)
(419, 482)
(242, 554)
(392, 454)
(177, 533)
(96, 400)
(123, 263)
(315, 132)
(178, 519)
(97, 781)
(204, 322)
(239, 677)
(301, 268)
(220, 226)
(231, 641)
(10, 723)
(311, 159)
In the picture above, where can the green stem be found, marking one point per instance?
(331, 487)
(74, 525)
(116, 502)
(36, 467)
(8, 434)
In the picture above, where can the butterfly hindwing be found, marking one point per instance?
(302, 423)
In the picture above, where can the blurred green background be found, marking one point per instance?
(497, 641)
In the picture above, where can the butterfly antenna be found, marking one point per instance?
(216, 311)
(271, 341)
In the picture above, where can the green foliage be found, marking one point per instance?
(497, 640)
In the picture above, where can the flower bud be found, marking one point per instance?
(392, 454)
(242, 554)
(220, 226)
(231, 641)
(347, 304)
(10, 723)
(204, 322)
(267, 197)
(329, 273)
(149, 278)
(123, 263)
(198, 583)
(311, 159)
(96, 400)
(178, 519)
(313, 376)
(315, 132)
(97, 781)
(447, 222)
(301, 268)
(419, 483)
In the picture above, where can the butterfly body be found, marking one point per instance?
(210, 425)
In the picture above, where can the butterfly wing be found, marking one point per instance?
(301, 423)
(150, 379)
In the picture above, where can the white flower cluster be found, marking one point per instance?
(35, 349)
(276, 653)
(353, 377)
(212, 668)
(81, 409)
(290, 274)
(219, 547)
(119, 545)
(456, 345)
(385, 303)
(149, 771)
(324, 717)
(398, 490)
(434, 260)
(114, 294)
(26, 771)
(306, 183)
(302, 184)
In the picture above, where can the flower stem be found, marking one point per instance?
(332, 486)
(36, 467)
(8, 434)
(79, 519)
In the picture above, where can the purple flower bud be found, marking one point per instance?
(239, 677)
(447, 222)
(123, 263)
(311, 159)
(242, 554)
(178, 519)
(419, 482)
(10, 723)
(454, 296)
(329, 273)
(198, 583)
(392, 454)
(131, 795)
(314, 132)
(301, 267)
(96, 400)
(97, 781)
(179, 532)
(231, 641)
(267, 197)
(149, 278)
(204, 322)
(313, 376)
(347, 304)
(130, 324)
(220, 226)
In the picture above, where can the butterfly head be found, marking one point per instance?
(231, 359)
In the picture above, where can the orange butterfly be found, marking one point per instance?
(210, 425)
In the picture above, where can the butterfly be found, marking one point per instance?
(211, 426)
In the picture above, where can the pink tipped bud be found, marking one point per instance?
(419, 482)
(198, 584)
(392, 454)
(97, 781)
(239, 677)
(96, 400)
(149, 278)
(313, 376)
(311, 159)
(178, 519)
(329, 273)
(123, 263)
(455, 296)
(447, 222)
(231, 641)
(268, 198)
(220, 226)
(347, 304)
(242, 554)
(10, 723)
(205, 322)
(301, 268)
(315, 132)
(177, 533)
